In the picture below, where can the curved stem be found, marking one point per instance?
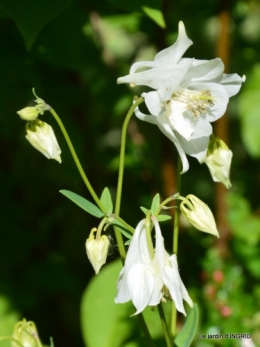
(145, 330)
(118, 234)
(128, 227)
(77, 162)
(165, 326)
(122, 154)
(175, 241)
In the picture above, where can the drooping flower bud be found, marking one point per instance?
(29, 113)
(218, 160)
(41, 136)
(26, 333)
(97, 249)
(199, 215)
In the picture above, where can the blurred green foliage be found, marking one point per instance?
(76, 51)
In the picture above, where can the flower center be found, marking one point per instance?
(197, 101)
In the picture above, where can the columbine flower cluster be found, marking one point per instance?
(189, 95)
(148, 279)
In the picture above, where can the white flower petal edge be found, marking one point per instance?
(144, 280)
(189, 94)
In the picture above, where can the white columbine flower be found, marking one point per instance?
(41, 136)
(189, 94)
(146, 280)
(218, 160)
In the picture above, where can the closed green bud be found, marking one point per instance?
(29, 113)
(199, 215)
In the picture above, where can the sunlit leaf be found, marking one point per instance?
(103, 322)
(151, 8)
(155, 203)
(107, 200)
(83, 203)
(144, 209)
(163, 217)
(187, 333)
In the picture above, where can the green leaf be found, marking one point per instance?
(155, 14)
(143, 209)
(187, 333)
(103, 322)
(249, 114)
(107, 200)
(155, 203)
(83, 203)
(163, 217)
(31, 15)
(122, 228)
(151, 8)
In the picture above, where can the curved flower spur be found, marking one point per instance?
(189, 95)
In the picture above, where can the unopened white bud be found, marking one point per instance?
(218, 160)
(199, 215)
(97, 250)
(26, 333)
(41, 136)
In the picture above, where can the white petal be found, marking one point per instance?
(184, 292)
(140, 285)
(172, 282)
(123, 294)
(158, 78)
(202, 128)
(204, 71)
(196, 148)
(232, 83)
(165, 128)
(145, 117)
(153, 103)
(181, 119)
(133, 254)
(172, 54)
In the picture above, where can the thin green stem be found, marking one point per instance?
(165, 326)
(128, 227)
(118, 234)
(77, 162)
(122, 154)
(175, 241)
(145, 330)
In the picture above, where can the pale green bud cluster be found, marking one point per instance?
(25, 333)
(97, 250)
(40, 134)
(218, 160)
(199, 215)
